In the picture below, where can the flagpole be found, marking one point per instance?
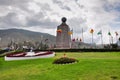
(109, 39)
(116, 38)
(101, 38)
(82, 35)
(92, 38)
(91, 31)
(112, 39)
(71, 39)
(109, 36)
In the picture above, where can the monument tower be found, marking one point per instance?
(63, 39)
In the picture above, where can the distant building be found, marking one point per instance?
(63, 39)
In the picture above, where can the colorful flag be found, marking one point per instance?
(109, 33)
(91, 31)
(100, 32)
(77, 39)
(59, 30)
(80, 40)
(70, 32)
(73, 39)
(116, 33)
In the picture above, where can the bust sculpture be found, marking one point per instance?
(64, 19)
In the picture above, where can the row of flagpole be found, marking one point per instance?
(99, 33)
(91, 31)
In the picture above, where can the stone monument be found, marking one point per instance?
(63, 39)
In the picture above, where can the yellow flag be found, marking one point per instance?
(70, 33)
(91, 31)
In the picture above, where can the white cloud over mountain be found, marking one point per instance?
(45, 16)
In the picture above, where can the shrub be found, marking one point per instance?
(64, 60)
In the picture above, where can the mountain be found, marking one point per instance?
(20, 35)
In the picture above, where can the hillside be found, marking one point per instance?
(20, 35)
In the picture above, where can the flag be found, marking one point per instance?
(100, 32)
(116, 33)
(109, 33)
(70, 32)
(77, 39)
(80, 40)
(91, 31)
(59, 30)
(73, 39)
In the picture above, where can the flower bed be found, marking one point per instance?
(64, 60)
(16, 53)
(24, 54)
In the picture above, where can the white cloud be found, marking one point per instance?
(47, 14)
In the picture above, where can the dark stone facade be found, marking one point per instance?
(63, 39)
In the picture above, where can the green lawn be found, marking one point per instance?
(91, 66)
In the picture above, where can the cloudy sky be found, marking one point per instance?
(45, 16)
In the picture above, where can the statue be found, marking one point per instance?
(63, 39)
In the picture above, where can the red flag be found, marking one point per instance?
(116, 33)
(73, 39)
(59, 30)
(80, 40)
